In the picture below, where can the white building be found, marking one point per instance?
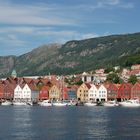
(102, 93)
(92, 93)
(97, 94)
(25, 93)
(87, 77)
(18, 93)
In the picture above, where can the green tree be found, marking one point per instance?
(109, 69)
(113, 77)
(132, 79)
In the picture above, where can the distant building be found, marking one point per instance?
(14, 74)
(99, 71)
(135, 67)
(87, 77)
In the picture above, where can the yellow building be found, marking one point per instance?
(54, 93)
(82, 92)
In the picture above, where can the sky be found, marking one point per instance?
(28, 24)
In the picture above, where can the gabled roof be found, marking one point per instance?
(45, 88)
(88, 85)
(33, 87)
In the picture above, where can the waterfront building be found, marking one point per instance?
(135, 91)
(82, 92)
(44, 93)
(102, 93)
(93, 93)
(112, 91)
(124, 92)
(1, 90)
(25, 93)
(18, 93)
(8, 91)
(54, 93)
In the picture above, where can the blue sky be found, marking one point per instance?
(27, 24)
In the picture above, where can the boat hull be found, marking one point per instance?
(90, 104)
(6, 103)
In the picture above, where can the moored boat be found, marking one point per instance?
(130, 103)
(29, 103)
(45, 103)
(19, 103)
(59, 103)
(110, 103)
(5, 103)
(90, 104)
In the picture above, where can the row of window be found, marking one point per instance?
(94, 95)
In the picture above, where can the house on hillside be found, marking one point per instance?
(87, 77)
(135, 67)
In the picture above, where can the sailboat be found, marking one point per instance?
(60, 103)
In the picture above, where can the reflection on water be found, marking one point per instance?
(69, 123)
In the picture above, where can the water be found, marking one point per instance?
(69, 123)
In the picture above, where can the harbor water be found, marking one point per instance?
(69, 123)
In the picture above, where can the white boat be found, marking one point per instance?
(19, 103)
(130, 103)
(59, 103)
(6, 103)
(45, 103)
(90, 104)
(110, 103)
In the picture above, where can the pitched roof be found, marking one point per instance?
(88, 85)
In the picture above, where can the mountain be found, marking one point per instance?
(76, 56)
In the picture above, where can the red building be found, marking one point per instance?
(44, 93)
(135, 91)
(112, 91)
(124, 91)
(1, 91)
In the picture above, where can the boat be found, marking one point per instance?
(6, 103)
(110, 103)
(59, 103)
(29, 103)
(18, 103)
(45, 103)
(90, 104)
(130, 103)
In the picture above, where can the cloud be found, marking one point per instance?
(31, 15)
(12, 40)
(105, 4)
